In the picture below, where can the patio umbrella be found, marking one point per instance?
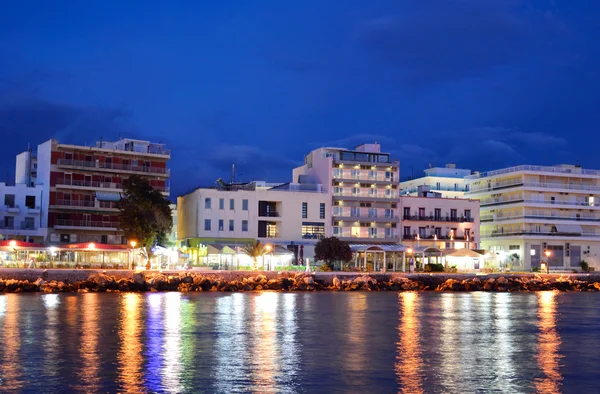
(301, 255)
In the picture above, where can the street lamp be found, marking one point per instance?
(410, 258)
(133, 243)
(269, 249)
(547, 253)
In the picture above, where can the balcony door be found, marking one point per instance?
(87, 220)
(87, 180)
(68, 178)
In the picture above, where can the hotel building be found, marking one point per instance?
(429, 220)
(449, 181)
(81, 185)
(213, 223)
(528, 210)
(22, 214)
(362, 188)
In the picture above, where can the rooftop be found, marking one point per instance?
(557, 169)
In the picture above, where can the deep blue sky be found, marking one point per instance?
(482, 83)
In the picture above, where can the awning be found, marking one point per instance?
(220, 249)
(567, 229)
(374, 248)
(426, 249)
(465, 253)
(108, 196)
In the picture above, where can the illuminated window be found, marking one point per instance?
(313, 230)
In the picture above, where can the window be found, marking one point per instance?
(438, 232)
(373, 175)
(354, 211)
(355, 191)
(206, 224)
(373, 232)
(322, 210)
(422, 232)
(389, 213)
(231, 204)
(221, 203)
(437, 214)
(207, 203)
(514, 247)
(338, 173)
(9, 222)
(313, 230)
(337, 231)
(355, 174)
(421, 213)
(468, 214)
(406, 213)
(304, 210)
(244, 225)
(221, 224)
(372, 212)
(9, 200)
(406, 232)
(29, 223)
(337, 191)
(337, 211)
(389, 233)
(30, 201)
(231, 225)
(244, 205)
(373, 192)
(389, 176)
(453, 214)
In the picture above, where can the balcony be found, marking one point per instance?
(85, 224)
(87, 164)
(22, 226)
(89, 184)
(535, 185)
(520, 232)
(154, 149)
(366, 218)
(551, 170)
(586, 218)
(380, 238)
(434, 218)
(431, 237)
(12, 208)
(86, 205)
(365, 197)
(313, 236)
(269, 214)
(33, 210)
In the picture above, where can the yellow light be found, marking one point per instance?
(91, 245)
(409, 250)
(268, 247)
(12, 243)
(133, 242)
(547, 253)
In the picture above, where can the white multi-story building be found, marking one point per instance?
(22, 213)
(290, 215)
(362, 187)
(449, 181)
(528, 210)
(429, 220)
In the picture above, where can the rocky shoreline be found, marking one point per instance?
(84, 282)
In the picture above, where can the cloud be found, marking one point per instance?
(441, 40)
(532, 139)
(354, 140)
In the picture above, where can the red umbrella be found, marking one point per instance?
(301, 255)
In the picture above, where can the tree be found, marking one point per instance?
(331, 250)
(145, 215)
(255, 250)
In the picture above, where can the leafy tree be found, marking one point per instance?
(585, 267)
(331, 250)
(145, 214)
(255, 250)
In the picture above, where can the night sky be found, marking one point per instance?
(480, 83)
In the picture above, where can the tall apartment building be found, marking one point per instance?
(449, 181)
(286, 215)
(362, 185)
(21, 213)
(428, 220)
(527, 210)
(81, 185)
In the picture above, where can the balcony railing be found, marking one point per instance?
(554, 170)
(430, 218)
(102, 185)
(363, 177)
(488, 218)
(113, 166)
(269, 214)
(365, 196)
(85, 204)
(21, 226)
(366, 236)
(442, 237)
(85, 223)
(543, 185)
(519, 232)
(313, 236)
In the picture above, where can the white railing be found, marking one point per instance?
(498, 185)
(554, 170)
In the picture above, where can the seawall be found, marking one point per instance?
(54, 281)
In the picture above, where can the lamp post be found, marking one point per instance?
(133, 243)
(410, 258)
(268, 249)
(548, 253)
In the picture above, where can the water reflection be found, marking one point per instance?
(355, 357)
(51, 339)
(548, 345)
(408, 360)
(449, 331)
(172, 368)
(503, 341)
(88, 374)
(265, 364)
(10, 371)
(154, 354)
(130, 356)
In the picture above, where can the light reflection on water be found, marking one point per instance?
(549, 343)
(409, 363)
(265, 342)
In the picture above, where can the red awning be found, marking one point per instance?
(92, 246)
(20, 245)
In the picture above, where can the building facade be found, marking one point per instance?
(82, 184)
(289, 216)
(362, 187)
(528, 210)
(449, 181)
(22, 213)
(429, 220)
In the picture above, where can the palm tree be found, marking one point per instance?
(255, 250)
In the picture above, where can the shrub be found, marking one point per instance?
(434, 267)
(535, 269)
(584, 265)
(324, 268)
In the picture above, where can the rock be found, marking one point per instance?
(259, 287)
(309, 280)
(82, 290)
(336, 282)
(139, 278)
(501, 280)
(39, 282)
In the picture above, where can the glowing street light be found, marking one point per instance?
(133, 242)
(269, 249)
(12, 243)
